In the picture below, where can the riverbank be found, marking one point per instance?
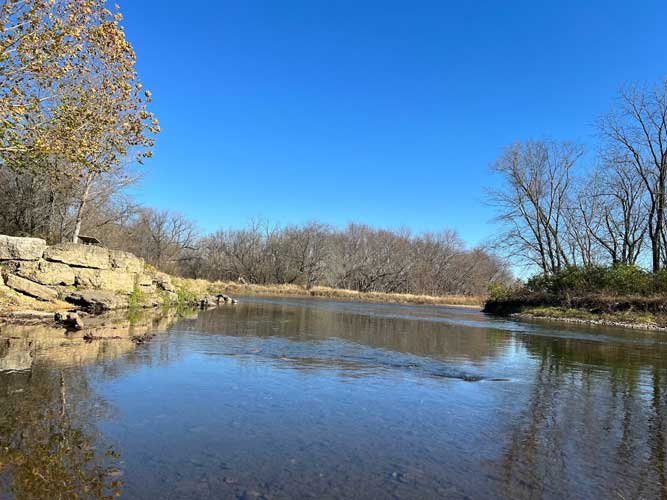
(203, 287)
(69, 276)
(635, 312)
(37, 279)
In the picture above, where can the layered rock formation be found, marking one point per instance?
(90, 277)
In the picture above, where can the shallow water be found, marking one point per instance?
(316, 399)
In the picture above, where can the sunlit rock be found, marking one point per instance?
(74, 254)
(126, 261)
(46, 273)
(13, 248)
(30, 288)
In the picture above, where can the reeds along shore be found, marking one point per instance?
(200, 287)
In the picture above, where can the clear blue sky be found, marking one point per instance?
(382, 112)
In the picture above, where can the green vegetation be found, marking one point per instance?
(625, 317)
(615, 294)
(185, 296)
(613, 280)
(136, 299)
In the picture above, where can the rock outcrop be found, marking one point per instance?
(126, 261)
(76, 255)
(97, 300)
(40, 292)
(89, 277)
(46, 273)
(13, 248)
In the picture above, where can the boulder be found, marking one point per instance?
(30, 288)
(97, 300)
(126, 261)
(74, 254)
(145, 280)
(71, 321)
(46, 273)
(114, 280)
(12, 248)
(145, 284)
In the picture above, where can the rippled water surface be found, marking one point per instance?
(315, 399)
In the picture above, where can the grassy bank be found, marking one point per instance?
(201, 287)
(190, 290)
(630, 312)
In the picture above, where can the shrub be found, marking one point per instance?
(499, 291)
(136, 299)
(185, 296)
(614, 280)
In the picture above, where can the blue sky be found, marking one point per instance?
(387, 113)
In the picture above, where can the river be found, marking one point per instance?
(291, 398)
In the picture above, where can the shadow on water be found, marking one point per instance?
(315, 399)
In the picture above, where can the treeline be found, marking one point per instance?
(357, 257)
(562, 209)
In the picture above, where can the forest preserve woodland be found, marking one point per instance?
(146, 355)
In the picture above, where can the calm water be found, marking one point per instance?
(313, 399)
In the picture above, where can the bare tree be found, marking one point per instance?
(611, 208)
(308, 248)
(636, 138)
(161, 237)
(537, 182)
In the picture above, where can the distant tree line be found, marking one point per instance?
(558, 213)
(357, 257)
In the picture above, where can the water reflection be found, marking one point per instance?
(49, 445)
(313, 399)
(594, 423)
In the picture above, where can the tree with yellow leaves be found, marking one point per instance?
(71, 103)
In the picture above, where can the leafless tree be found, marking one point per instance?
(537, 180)
(162, 237)
(636, 139)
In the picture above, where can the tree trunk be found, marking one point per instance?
(659, 223)
(82, 206)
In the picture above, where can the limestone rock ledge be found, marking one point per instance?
(90, 277)
(13, 248)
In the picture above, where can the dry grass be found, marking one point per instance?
(200, 287)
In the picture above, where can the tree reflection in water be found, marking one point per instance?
(594, 423)
(47, 447)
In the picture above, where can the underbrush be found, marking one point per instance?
(626, 294)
